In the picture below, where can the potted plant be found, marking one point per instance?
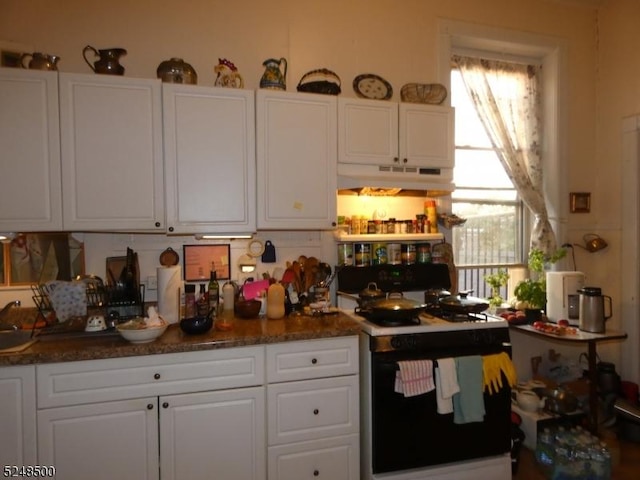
(532, 292)
(496, 281)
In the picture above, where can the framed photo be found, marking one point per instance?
(198, 260)
(11, 54)
(580, 202)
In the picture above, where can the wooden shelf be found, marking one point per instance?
(391, 237)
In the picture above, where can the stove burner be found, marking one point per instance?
(459, 317)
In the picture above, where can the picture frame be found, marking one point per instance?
(197, 262)
(11, 53)
(580, 202)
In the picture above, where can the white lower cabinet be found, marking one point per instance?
(213, 435)
(17, 416)
(192, 416)
(101, 441)
(312, 414)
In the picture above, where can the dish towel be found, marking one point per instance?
(493, 366)
(446, 385)
(414, 377)
(468, 404)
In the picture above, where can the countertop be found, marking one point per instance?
(68, 348)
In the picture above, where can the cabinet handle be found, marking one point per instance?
(171, 229)
(165, 405)
(314, 360)
(158, 224)
(396, 160)
(405, 160)
(150, 406)
(316, 411)
(157, 376)
(316, 473)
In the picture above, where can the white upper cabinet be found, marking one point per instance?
(374, 132)
(209, 155)
(296, 160)
(111, 143)
(30, 189)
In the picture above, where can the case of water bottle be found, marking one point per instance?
(572, 454)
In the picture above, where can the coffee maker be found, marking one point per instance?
(563, 299)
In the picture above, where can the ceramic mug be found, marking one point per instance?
(96, 323)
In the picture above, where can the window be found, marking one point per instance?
(40, 257)
(492, 237)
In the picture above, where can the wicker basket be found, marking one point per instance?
(432, 93)
(328, 85)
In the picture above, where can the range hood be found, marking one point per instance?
(381, 180)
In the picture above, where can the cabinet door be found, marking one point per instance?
(209, 148)
(17, 416)
(30, 188)
(213, 435)
(101, 441)
(334, 458)
(426, 135)
(111, 139)
(367, 132)
(296, 155)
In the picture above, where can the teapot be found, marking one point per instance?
(109, 61)
(594, 242)
(40, 61)
(529, 401)
(274, 77)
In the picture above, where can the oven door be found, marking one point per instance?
(407, 432)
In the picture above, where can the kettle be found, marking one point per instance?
(39, 61)
(592, 312)
(273, 77)
(108, 61)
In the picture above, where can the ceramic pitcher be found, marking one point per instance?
(108, 61)
(275, 74)
(39, 61)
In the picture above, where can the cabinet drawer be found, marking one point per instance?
(330, 459)
(312, 409)
(312, 359)
(121, 378)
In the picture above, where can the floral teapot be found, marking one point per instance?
(227, 74)
(274, 77)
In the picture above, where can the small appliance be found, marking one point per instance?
(563, 300)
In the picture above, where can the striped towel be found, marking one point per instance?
(414, 377)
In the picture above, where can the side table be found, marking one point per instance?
(591, 339)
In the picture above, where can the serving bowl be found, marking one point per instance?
(247, 308)
(558, 400)
(136, 331)
(196, 325)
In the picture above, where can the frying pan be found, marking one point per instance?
(394, 308)
(463, 303)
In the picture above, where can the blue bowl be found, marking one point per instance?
(196, 325)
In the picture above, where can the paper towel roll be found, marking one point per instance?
(169, 284)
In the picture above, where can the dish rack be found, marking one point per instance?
(101, 299)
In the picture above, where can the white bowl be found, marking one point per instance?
(132, 332)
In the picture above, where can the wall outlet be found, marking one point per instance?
(152, 282)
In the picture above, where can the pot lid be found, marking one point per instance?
(372, 291)
(463, 300)
(397, 302)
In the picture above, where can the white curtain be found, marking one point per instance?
(510, 110)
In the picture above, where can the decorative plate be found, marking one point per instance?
(372, 86)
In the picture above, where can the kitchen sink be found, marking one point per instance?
(13, 341)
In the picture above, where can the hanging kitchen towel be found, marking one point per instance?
(269, 254)
(446, 385)
(414, 377)
(468, 404)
